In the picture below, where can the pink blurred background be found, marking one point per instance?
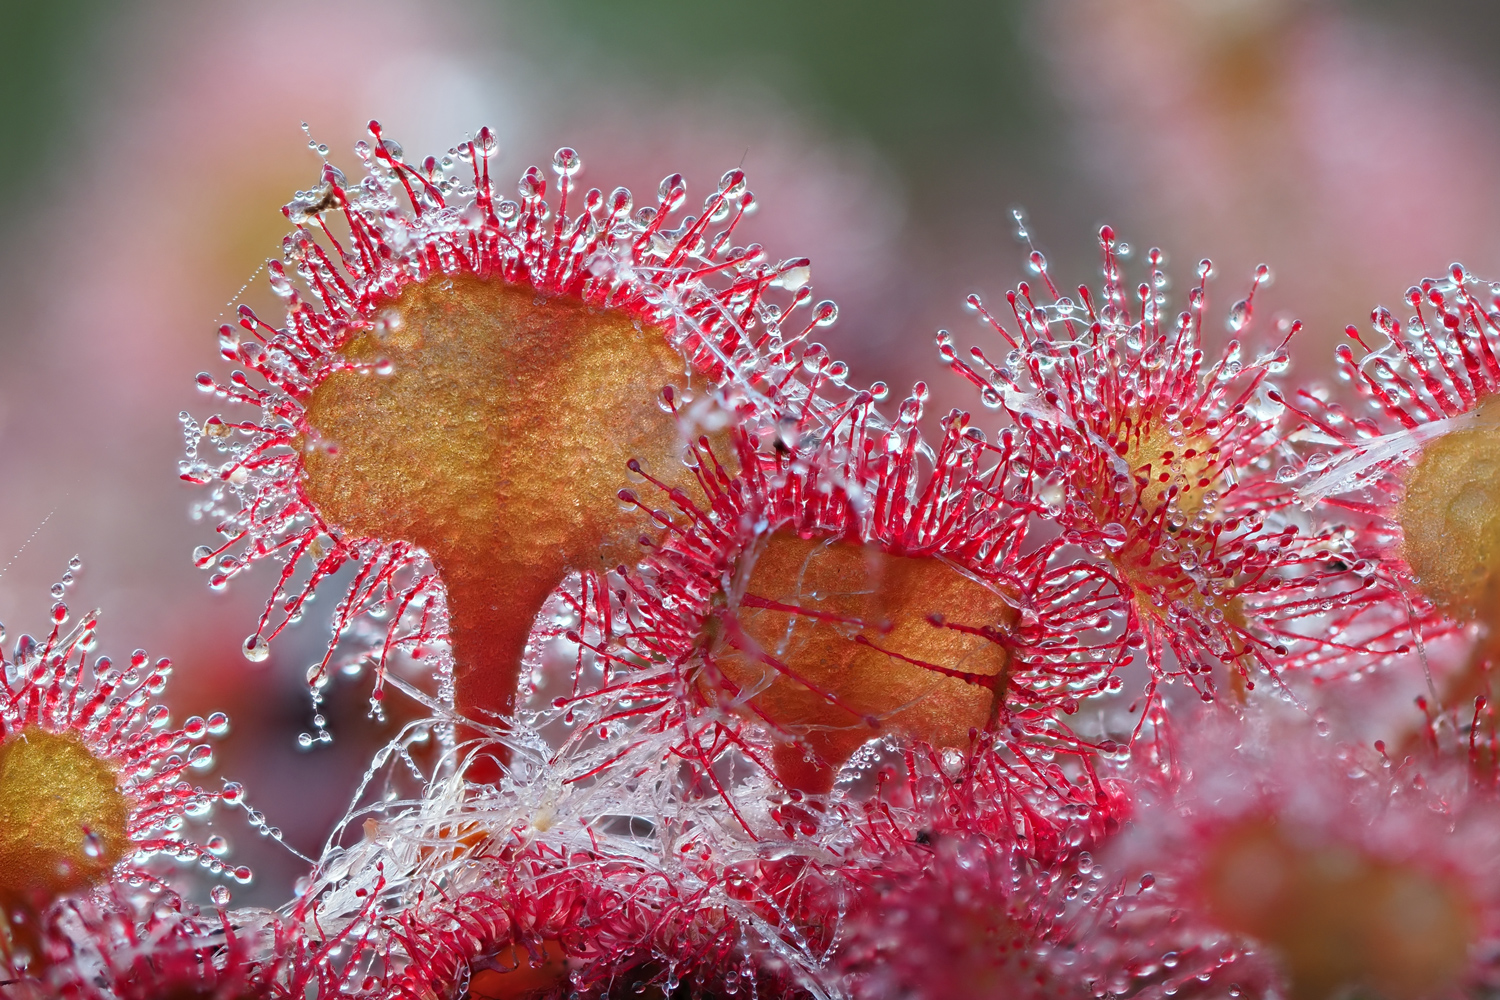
(151, 145)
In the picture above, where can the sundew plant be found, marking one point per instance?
(737, 675)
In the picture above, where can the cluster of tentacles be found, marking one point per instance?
(745, 681)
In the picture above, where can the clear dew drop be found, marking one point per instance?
(1239, 316)
(256, 649)
(220, 895)
(566, 162)
(92, 845)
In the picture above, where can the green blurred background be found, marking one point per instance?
(952, 93)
